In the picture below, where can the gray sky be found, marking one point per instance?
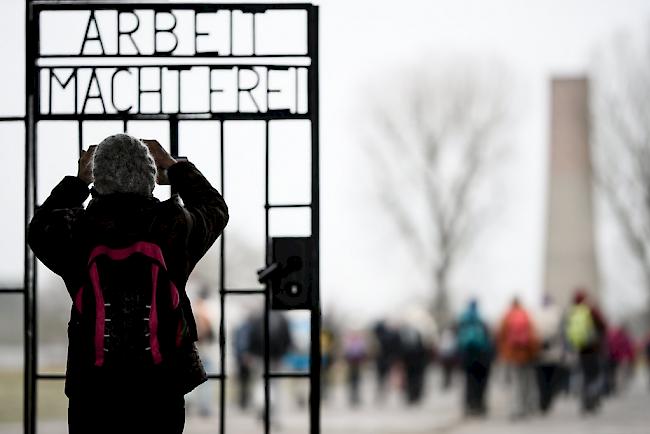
(364, 268)
(537, 40)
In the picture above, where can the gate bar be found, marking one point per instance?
(12, 290)
(203, 116)
(222, 291)
(50, 376)
(288, 374)
(244, 291)
(315, 317)
(173, 133)
(127, 5)
(267, 290)
(289, 205)
(29, 278)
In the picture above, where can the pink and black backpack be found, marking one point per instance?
(128, 308)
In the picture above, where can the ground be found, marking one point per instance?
(628, 413)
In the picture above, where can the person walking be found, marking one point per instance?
(201, 398)
(244, 361)
(550, 362)
(125, 260)
(280, 342)
(417, 336)
(386, 355)
(355, 351)
(328, 343)
(415, 354)
(620, 359)
(585, 331)
(446, 353)
(298, 357)
(475, 351)
(518, 348)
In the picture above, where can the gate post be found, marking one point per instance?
(29, 277)
(315, 356)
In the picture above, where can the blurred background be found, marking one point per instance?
(485, 223)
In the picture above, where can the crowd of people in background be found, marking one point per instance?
(543, 352)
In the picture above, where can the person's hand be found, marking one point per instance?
(162, 159)
(85, 170)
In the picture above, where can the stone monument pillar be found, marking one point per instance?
(570, 244)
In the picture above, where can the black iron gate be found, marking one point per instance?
(106, 76)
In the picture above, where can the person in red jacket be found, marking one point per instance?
(132, 353)
(518, 347)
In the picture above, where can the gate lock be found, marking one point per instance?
(290, 272)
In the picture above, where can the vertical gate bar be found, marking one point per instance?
(173, 136)
(315, 350)
(222, 295)
(267, 298)
(267, 250)
(124, 126)
(29, 276)
(173, 140)
(80, 135)
(254, 35)
(231, 33)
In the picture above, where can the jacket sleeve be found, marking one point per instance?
(205, 208)
(50, 232)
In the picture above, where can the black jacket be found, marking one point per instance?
(62, 234)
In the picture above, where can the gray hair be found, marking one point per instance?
(123, 164)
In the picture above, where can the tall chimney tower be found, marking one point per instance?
(570, 247)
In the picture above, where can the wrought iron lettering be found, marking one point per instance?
(228, 89)
(248, 89)
(117, 71)
(137, 36)
(98, 95)
(166, 30)
(88, 38)
(161, 31)
(127, 33)
(71, 78)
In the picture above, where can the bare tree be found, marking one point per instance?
(621, 137)
(433, 136)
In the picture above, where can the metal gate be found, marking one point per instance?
(51, 68)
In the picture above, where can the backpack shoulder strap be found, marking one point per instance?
(147, 249)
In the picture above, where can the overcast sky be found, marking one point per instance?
(364, 269)
(538, 40)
